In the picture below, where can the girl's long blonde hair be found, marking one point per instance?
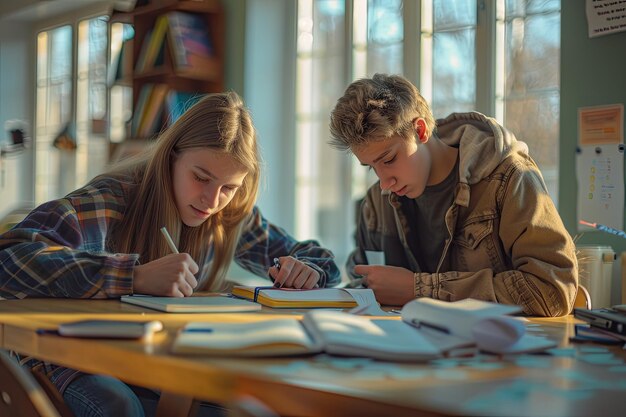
(221, 123)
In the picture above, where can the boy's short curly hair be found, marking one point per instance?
(377, 108)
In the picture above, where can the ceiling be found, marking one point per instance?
(33, 10)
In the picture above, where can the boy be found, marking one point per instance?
(460, 209)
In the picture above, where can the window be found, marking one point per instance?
(530, 48)
(71, 105)
(322, 174)
(53, 108)
(499, 57)
(121, 90)
(91, 100)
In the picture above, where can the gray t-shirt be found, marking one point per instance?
(426, 216)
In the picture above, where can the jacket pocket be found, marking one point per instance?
(474, 231)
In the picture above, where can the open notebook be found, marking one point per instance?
(427, 329)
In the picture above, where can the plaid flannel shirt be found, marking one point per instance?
(60, 250)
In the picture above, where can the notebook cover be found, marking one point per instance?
(200, 304)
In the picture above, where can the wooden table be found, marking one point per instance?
(528, 385)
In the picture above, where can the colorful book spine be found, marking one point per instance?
(191, 46)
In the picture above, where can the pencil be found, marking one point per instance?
(169, 240)
(604, 228)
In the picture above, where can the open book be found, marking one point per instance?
(329, 331)
(314, 298)
(428, 329)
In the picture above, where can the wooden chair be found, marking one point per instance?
(20, 394)
(53, 393)
(583, 299)
(249, 406)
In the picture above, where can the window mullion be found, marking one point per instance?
(486, 57)
(411, 45)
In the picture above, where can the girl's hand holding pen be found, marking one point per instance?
(291, 273)
(169, 276)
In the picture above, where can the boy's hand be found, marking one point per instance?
(392, 285)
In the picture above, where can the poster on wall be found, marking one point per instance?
(600, 166)
(605, 17)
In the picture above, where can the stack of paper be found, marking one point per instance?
(481, 323)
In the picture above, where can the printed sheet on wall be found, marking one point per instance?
(600, 165)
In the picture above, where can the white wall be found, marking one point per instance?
(16, 98)
(269, 82)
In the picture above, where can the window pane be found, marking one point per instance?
(385, 37)
(533, 118)
(454, 72)
(91, 100)
(532, 79)
(521, 7)
(453, 13)
(532, 53)
(53, 109)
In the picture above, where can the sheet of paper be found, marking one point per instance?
(367, 304)
(605, 16)
(375, 257)
(600, 171)
(601, 125)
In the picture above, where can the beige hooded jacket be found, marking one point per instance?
(506, 241)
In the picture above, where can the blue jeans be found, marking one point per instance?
(105, 396)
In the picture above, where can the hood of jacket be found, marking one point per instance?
(483, 144)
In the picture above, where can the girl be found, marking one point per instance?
(200, 181)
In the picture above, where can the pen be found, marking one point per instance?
(277, 265)
(169, 240)
(198, 330)
(420, 323)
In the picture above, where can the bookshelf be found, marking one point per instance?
(177, 52)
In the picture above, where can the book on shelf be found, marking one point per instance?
(313, 298)
(178, 102)
(140, 64)
(190, 45)
(190, 42)
(156, 45)
(427, 329)
(150, 122)
(139, 110)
